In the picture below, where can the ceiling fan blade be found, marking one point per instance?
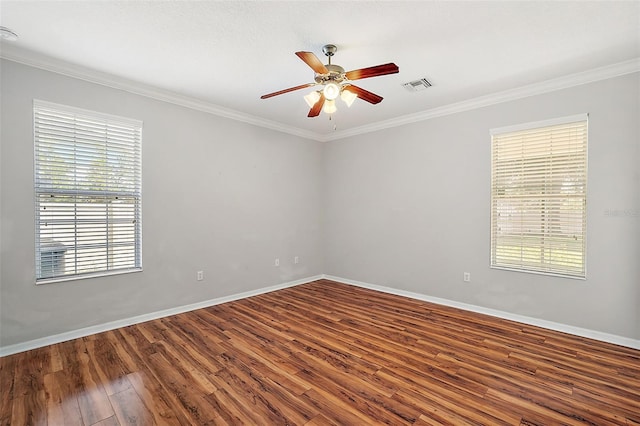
(290, 89)
(365, 95)
(312, 60)
(317, 107)
(384, 69)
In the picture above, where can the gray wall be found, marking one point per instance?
(408, 208)
(218, 195)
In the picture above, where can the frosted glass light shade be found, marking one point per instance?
(331, 91)
(348, 97)
(312, 98)
(329, 106)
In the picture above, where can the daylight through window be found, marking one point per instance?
(87, 193)
(538, 197)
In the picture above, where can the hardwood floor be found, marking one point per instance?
(323, 353)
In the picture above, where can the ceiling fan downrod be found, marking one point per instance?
(329, 50)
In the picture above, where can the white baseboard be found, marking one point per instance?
(577, 331)
(94, 329)
(87, 331)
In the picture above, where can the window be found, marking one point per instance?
(538, 197)
(87, 193)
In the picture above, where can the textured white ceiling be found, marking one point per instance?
(229, 53)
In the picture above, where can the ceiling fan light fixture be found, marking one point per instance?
(348, 97)
(329, 106)
(331, 91)
(312, 98)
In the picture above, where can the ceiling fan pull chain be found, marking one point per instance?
(335, 125)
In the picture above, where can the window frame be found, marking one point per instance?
(552, 268)
(129, 200)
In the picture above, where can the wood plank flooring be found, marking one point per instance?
(323, 353)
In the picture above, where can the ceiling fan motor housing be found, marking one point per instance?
(336, 73)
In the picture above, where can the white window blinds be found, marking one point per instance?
(88, 194)
(538, 197)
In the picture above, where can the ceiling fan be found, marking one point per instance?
(336, 83)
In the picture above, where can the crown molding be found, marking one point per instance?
(48, 63)
(37, 60)
(571, 80)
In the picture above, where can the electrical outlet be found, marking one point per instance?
(296, 260)
(277, 262)
(200, 275)
(466, 277)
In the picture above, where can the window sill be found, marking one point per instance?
(550, 274)
(86, 276)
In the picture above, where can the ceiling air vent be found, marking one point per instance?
(417, 85)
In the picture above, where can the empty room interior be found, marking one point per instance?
(320, 213)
